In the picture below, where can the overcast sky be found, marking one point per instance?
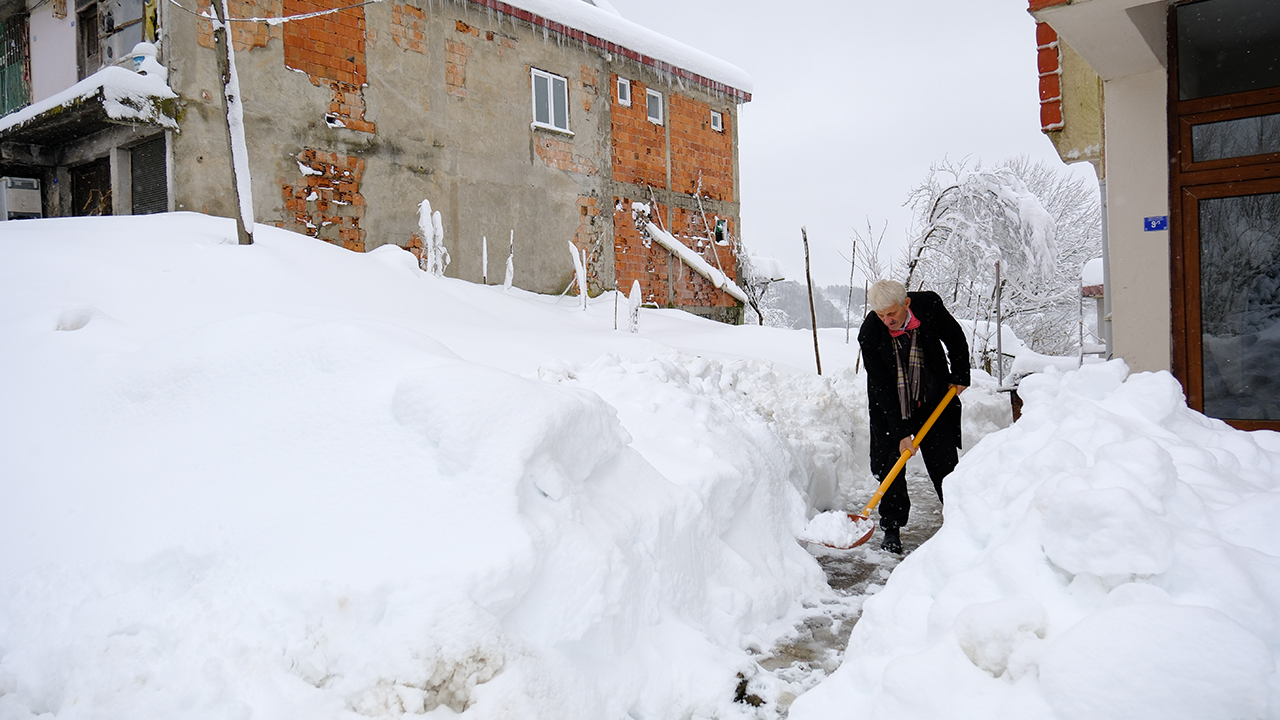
(854, 99)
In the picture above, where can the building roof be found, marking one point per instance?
(113, 95)
(596, 23)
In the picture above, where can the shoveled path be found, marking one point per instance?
(817, 647)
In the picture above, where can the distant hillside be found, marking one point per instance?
(829, 302)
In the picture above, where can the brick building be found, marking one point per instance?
(545, 119)
(1176, 103)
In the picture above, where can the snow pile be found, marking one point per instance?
(1112, 555)
(835, 529)
(288, 480)
(126, 95)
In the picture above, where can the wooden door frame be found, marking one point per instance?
(1190, 182)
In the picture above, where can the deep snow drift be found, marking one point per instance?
(288, 480)
(1111, 555)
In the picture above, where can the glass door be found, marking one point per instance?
(1232, 238)
(1224, 128)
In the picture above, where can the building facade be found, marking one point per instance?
(539, 126)
(1177, 105)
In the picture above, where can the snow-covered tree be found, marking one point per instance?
(755, 275)
(1040, 223)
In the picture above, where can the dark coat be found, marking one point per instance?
(937, 329)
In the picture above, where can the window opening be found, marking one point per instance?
(15, 75)
(654, 99)
(624, 92)
(550, 101)
(717, 121)
(89, 56)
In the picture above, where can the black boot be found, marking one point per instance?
(891, 543)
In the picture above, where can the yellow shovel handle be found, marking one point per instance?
(906, 455)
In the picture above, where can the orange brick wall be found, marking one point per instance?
(1049, 64)
(327, 203)
(639, 146)
(560, 155)
(662, 277)
(244, 35)
(691, 289)
(409, 27)
(329, 46)
(634, 260)
(330, 50)
(697, 151)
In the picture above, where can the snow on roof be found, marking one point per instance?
(769, 267)
(597, 23)
(126, 95)
(1092, 272)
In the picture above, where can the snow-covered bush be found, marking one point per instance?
(435, 256)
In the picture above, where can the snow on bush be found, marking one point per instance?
(1112, 555)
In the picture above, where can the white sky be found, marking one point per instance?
(854, 99)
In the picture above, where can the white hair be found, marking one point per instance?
(885, 294)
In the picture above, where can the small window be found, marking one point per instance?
(717, 121)
(655, 106)
(624, 92)
(550, 101)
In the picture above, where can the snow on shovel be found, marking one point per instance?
(863, 525)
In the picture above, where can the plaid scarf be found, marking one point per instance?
(909, 384)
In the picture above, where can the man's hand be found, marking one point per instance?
(960, 388)
(905, 446)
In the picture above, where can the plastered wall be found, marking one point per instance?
(1138, 187)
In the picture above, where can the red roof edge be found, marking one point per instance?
(617, 49)
(1042, 4)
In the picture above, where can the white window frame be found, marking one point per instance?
(554, 84)
(717, 121)
(648, 107)
(624, 92)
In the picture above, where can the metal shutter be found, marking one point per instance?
(150, 184)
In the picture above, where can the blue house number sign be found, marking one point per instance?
(1157, 222)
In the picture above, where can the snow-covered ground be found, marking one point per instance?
(290, 480)
(1111, 555)
(287, 480)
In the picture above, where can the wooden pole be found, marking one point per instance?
(222, 41)
(999, 328)
(848, 308)
(813, 314)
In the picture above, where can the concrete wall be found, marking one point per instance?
(53, 50)
(1137, 170)
(422, 102)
